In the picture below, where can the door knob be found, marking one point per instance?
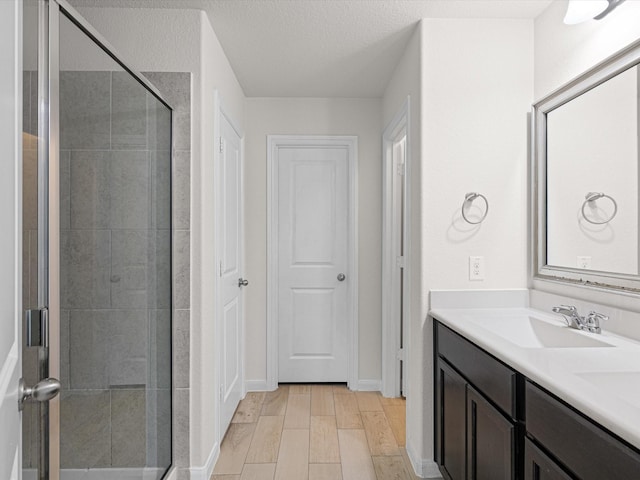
(341, 277)
(42, 391)
(242, 282)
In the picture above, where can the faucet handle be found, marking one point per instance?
(593, 320)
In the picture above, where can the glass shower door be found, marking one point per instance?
(115, 267)
(108, 244)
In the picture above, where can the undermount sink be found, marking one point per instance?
(621, 384)
(531, 332)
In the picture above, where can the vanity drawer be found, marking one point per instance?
(584, 447)
(493, 378)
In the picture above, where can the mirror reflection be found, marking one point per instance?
(592, 178)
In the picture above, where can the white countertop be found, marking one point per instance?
(601, 382)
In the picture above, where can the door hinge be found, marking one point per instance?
(220, 268)
(400, 355)
(221, 145)
(400, 167)
(221, 393)
(400, 261)
(37, 327)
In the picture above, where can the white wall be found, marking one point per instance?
(406, 81)
(562, 53)
(216, 75)
(477, 85)
(184, 41)
(314, 116)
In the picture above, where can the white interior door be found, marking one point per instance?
(313, 267)
(10, 128)
(230, 246)
(395, 249)
(399, 162)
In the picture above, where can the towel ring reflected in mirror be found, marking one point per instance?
(592, 197)
(468, 200)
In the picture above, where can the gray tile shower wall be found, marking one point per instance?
(176, 88)
(115, 271)
(116, 230)
(85, 110)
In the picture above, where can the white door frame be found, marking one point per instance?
(221, 112)
(390, 280)
(274, 142)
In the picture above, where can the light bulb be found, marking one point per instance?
(579, 11)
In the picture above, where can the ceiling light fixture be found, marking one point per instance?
(579, 11)
(612, 5)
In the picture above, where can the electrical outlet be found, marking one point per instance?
(476, 268)
(583, 262)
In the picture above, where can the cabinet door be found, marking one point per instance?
(585, 448)
(490, 441)
(537, 466)
(450, 422)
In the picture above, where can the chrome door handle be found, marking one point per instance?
(341, 277)
(43, 391)
(242, 282)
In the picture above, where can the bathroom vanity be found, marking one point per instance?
(519, 395)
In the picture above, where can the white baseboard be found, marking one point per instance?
(369, 385)
(205, 472)
(101, 474)
(256, 386)
(422, 467)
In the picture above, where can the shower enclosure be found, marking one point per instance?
(96, 256)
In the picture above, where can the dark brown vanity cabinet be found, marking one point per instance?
(492, 423)
(476, 426)
(585, 449)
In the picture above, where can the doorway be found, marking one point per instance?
(312, 264)
(396, 262)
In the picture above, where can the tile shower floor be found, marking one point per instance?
(315, 432)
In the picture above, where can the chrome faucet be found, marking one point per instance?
(571, 316)
(588, 323)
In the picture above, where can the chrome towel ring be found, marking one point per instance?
(468, 200)
(592, 197)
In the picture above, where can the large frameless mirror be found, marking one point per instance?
(586, 153)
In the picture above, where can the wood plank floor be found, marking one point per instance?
(315, 432)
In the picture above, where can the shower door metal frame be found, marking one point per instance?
(49, 13)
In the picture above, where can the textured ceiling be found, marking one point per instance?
(323, 48)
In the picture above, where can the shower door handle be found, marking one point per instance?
(43, 391)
